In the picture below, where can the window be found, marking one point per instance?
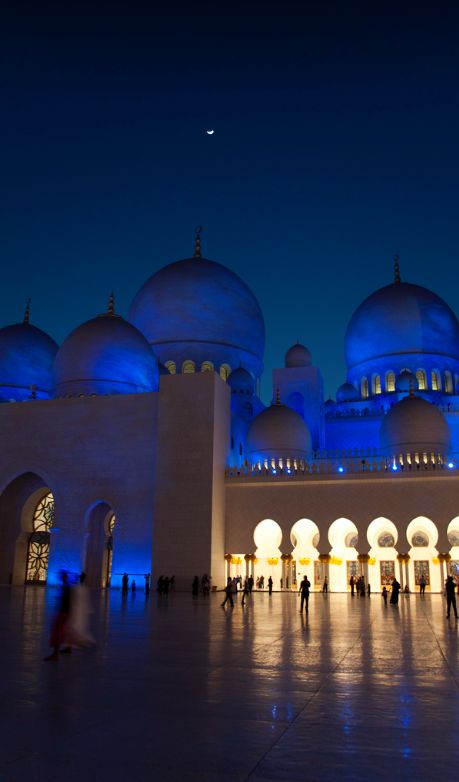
(421, 378)
(188, 367)
(225, 370)
(436, 380)
(376, 384)
(390, 381)
(364, 387)
(448, 382)
(170, 365)
(38, 553)
(207, 366)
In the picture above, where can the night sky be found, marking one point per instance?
(335, 146)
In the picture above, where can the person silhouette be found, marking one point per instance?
(304, 592)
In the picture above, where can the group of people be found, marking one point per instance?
(358, 586)
(165, 584)
(203, 585)
(233, 584)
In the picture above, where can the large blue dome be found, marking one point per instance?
(26, 362)
(105, 355)
(401, 319)
(198, 310)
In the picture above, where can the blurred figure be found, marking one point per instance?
(450, 596)
(205, 585)
(80, 610)
(395, 592)
(125, 583)
(270, 586)
(384, 595)
(195, 587)
(229, 594)
(59, 627)
(147, 583)
(245, 591)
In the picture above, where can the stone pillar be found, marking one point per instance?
(284, 558)
(401, 560)
(247, 558)
(363, 559)
(444, 558)
(228, 558)
(407, 576)
(324, 559)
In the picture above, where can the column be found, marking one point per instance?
(407, 576)
(284, 570)
(401, 559)
(363, 559)
(228, 558)
(247, 565)
(324, 559)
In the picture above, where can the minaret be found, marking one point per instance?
(397, 277)
(27, 312)
(197, 242)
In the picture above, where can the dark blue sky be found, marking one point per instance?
(335, 145)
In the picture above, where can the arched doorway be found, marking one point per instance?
(268, 537)
(39, 541)
(343, 536)
(21, 516)
(422, 534)
(382, 535)
(305, 537)
(99, 545)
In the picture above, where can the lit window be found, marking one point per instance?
(377, 384)
(390, 381)
(448, 382)
(38, 553)
(188, 367)
(364, 387)
(207, 366)
(436, 381)
(422, 380)
(225, 370)
(170, 365)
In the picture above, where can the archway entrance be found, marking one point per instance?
(22, 516)
(99, 545)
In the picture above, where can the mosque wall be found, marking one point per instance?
(192, 446)
(85, 451)
(348, 432)
(399, 499)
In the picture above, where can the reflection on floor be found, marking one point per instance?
(183, 690)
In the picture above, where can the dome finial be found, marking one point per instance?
(27, 312)
(397, 277)
(111, 304)
(278, 401)
(197, 242)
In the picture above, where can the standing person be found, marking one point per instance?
(172, 584)
(125, 583)
(250, 584)
(304, 592)
(270, 586)
(352, 585)
(362, 586)
(384, 595)
(325, 585)
(133, 586)
(205, 585)
(195, 587)
(368, 589)
(450, 596)
(228, 594)
(262, 582)
(147, 583)
(422, 585)
(395, 592)
(59, 628)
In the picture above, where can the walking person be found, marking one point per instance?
(384, 595)
(422, 585)
(304, 592)
(59, 629)
(325, 585)
(245, 592)
(250, 584)
(450, 589)
(270, 586)
(228, 594)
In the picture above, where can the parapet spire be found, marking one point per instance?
(111, 304)
(27, 312)
(397, 277)
(278, 402)
(197, 242)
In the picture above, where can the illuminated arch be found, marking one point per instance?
(377, 529)
(304, 534)
(188, 367)
(207, 366)
(267, 537)
(421, 525)
(342, 534)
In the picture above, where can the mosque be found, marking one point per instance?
(142, 445)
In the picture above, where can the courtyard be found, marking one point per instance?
(180, 690)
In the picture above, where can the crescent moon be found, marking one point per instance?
(210, 132)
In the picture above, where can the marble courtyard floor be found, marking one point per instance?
(183, 691)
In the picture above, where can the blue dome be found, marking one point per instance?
(199, 310)
(26, 359)
(414, 425)
(241, 382)
(401, 319)
(347, 393)
(105, 355)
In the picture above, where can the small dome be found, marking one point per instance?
(198, 310)
(26, 362)
(406, 381)
(278, 432)
(347, 393)
(298, 356)
(105, 355)
(329, 404)
(414, 425)
(241, 382)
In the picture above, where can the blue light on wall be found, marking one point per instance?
(450, 465)
(340, 469)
